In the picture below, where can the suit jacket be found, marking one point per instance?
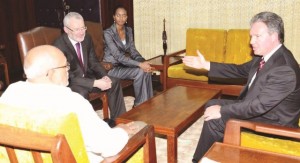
(115, 50)
(92, 68)
(273, 97)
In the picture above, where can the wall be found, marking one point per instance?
(220, 14)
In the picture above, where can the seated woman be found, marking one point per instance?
(119, 49)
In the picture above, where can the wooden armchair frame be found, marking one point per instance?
(16, 138)
(233, 130)
(144, 138)
(59, 148)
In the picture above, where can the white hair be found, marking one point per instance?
(71, 15)
(39, 66)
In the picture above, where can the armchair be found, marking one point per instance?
(46, 35)
(60, 123)
(284, 140)
(216, 45)
(35, 143)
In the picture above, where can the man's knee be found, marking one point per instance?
(114, 81)
(212, 102)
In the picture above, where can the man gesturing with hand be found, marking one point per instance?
(272, 92)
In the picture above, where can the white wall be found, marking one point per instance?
(220, 14)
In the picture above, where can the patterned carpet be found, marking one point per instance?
(187, 141)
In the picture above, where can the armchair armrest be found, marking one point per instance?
(233, 130)
(168, 56)
(145, 138)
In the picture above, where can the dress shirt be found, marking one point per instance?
(74, 45)
(266, 58)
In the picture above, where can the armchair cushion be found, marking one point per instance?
(51, 123)
(277, 145)
(262, 136)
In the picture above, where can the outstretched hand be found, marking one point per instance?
(197, 62)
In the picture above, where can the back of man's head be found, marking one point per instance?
(40, 60)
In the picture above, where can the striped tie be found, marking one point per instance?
(79, 54)
(261, 64)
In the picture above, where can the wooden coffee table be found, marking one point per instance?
(171, 112)
(227, 153)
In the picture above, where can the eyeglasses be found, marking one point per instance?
(77, 29)
(66, 66)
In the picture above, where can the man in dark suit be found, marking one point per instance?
(86, 74)
(272, 93)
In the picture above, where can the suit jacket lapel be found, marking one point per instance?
(117, 39)
(127, 38)
(84, 54)
(266, 68)
(250, 76)
(73, 51)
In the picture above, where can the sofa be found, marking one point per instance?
(217, 45)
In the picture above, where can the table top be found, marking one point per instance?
(172, 110)
(226, 153)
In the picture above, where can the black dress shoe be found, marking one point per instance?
(195, 161)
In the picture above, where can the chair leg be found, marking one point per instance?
(105, 106)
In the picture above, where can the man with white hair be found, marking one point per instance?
(46, 69)
(86, 74)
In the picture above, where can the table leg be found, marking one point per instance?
(172, 148)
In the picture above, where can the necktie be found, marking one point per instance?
(244, 92)
(79, 53)
(261, 64)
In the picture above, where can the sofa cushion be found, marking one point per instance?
(183, 72)
(277, 145)
(48, 122)
(232, 46)
(238, 48)
(210, 42)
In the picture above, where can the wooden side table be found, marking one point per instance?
(158, 64)
(4, 64)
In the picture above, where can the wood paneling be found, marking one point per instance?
(15, 16)
(21, 15)
(108, 6)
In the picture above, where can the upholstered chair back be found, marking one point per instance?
(96, 31)
(210, 42)
(35, 37)
(44, 121)
(238, 48)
